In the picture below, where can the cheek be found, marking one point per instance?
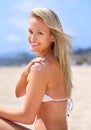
(49, 41)
(28, 38)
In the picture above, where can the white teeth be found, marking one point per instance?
(34, 44)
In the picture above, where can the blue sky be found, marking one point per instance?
(75, 16)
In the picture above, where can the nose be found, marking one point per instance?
(32, 37)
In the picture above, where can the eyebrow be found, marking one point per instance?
(36, 30)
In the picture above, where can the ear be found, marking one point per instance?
(53, 39)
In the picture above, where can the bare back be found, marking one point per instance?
(52, 115)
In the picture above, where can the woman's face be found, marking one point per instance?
(39, 35)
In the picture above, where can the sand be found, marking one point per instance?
(80, 116)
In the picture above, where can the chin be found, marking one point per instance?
(34, 50)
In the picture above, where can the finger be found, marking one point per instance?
(43, 59)
(39, 59)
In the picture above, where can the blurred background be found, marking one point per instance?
(75, 16)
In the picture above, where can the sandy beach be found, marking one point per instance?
(80, 116)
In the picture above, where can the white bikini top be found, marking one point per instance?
(47, 98)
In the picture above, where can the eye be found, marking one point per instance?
(40, 33)
(30, 32)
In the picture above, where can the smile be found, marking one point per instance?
(34, 44)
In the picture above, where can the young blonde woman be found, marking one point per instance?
(46, 80)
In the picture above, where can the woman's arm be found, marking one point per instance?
(36, 87)
(22, 82)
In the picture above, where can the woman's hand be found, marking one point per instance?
(28, 67)
(22, 82)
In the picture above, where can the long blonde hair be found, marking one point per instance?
(61, 44)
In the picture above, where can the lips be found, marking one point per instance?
(34, 44)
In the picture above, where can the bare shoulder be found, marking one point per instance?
(40, 66)
(38, 75)
(45, 68)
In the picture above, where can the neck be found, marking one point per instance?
(45, 53)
